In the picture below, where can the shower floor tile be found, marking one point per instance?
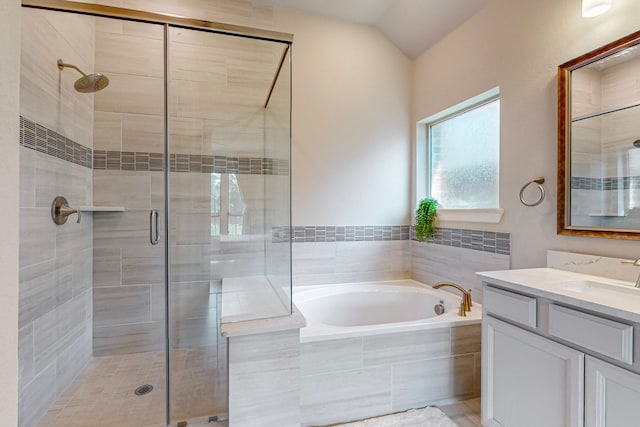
(103, 394)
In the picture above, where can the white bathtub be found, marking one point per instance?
(371, 308)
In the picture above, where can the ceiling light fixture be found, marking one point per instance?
(591, 8)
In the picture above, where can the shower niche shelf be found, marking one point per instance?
(101, 208)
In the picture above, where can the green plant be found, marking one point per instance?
(425, 218)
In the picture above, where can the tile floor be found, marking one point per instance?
(465, 414)
(103, 394)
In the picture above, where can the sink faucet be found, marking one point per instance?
(637, 264)
(465, 304)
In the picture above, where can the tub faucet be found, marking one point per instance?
(465, 304)
(637, 264)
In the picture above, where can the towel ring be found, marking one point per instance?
(539, 181)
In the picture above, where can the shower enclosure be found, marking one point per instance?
(180, 169)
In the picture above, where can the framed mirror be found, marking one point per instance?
(599, 142)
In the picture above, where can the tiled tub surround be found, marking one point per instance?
(343, 254)
(355, 378)
(374, 368)
(55, 308)
(456, 256)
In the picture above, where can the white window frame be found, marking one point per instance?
(489, 216)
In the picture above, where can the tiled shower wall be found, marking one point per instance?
(217, 126)
(55, 307)
(128, 272)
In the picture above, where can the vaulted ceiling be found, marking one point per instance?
(412, 25)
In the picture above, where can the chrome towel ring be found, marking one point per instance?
(538, 181)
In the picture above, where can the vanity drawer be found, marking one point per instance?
(607, 337)
(510, 305)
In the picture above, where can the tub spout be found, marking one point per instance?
(465, 304)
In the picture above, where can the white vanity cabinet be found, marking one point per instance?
(528, 380)
(549, 360)
(612, 395)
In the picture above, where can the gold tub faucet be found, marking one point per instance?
(465, 304)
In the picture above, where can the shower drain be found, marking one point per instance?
(144, 389)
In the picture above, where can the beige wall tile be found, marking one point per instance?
(256, 363)
(431, 264)
(418, 384)
(107, 131)
(37, 236)
(36, 397)
(109, 25)
(47, 94)
(185, 136)
(142, 265)
(118, 229)
(143, 133)
(129, 189)
(326, 357)
(107, 266)
(131, 55)
(56, 177)
(26, 356)
(124, 339)
(121, 305)
(345, 396)
(44, 286)
(58, 328)
(27, 178)
(131, 94)
(387, 349)
(466, 339)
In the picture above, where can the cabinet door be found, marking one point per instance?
(529, 381)
(612, 395)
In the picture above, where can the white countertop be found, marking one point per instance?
(611, 297)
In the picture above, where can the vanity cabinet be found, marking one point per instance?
(528, 380)
(547, 363)
(612, 395)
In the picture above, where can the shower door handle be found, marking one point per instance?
(154, 227)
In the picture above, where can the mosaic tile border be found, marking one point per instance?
(38, 138)
(477, 240)
(143, 161)
(601, 184)
(484, 241)
(341, 233)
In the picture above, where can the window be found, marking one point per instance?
(462, 147)
(227, 205)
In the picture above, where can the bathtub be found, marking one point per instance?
(378, 347)
(371, 308)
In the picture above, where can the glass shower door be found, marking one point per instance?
(92, 290)
(228, 189)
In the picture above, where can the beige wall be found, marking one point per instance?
(9, 164)
(351, 149)
(518, 46)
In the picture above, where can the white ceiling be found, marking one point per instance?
(412, 25)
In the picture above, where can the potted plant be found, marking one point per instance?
(425, 218)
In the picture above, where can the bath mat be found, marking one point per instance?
(425, 417)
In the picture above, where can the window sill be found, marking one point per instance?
(487, 216)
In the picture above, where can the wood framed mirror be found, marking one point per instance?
(599, 142)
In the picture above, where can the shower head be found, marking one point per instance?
(636, 143)
(87, 83)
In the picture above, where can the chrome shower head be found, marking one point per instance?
(87, 83)
(636, 143)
